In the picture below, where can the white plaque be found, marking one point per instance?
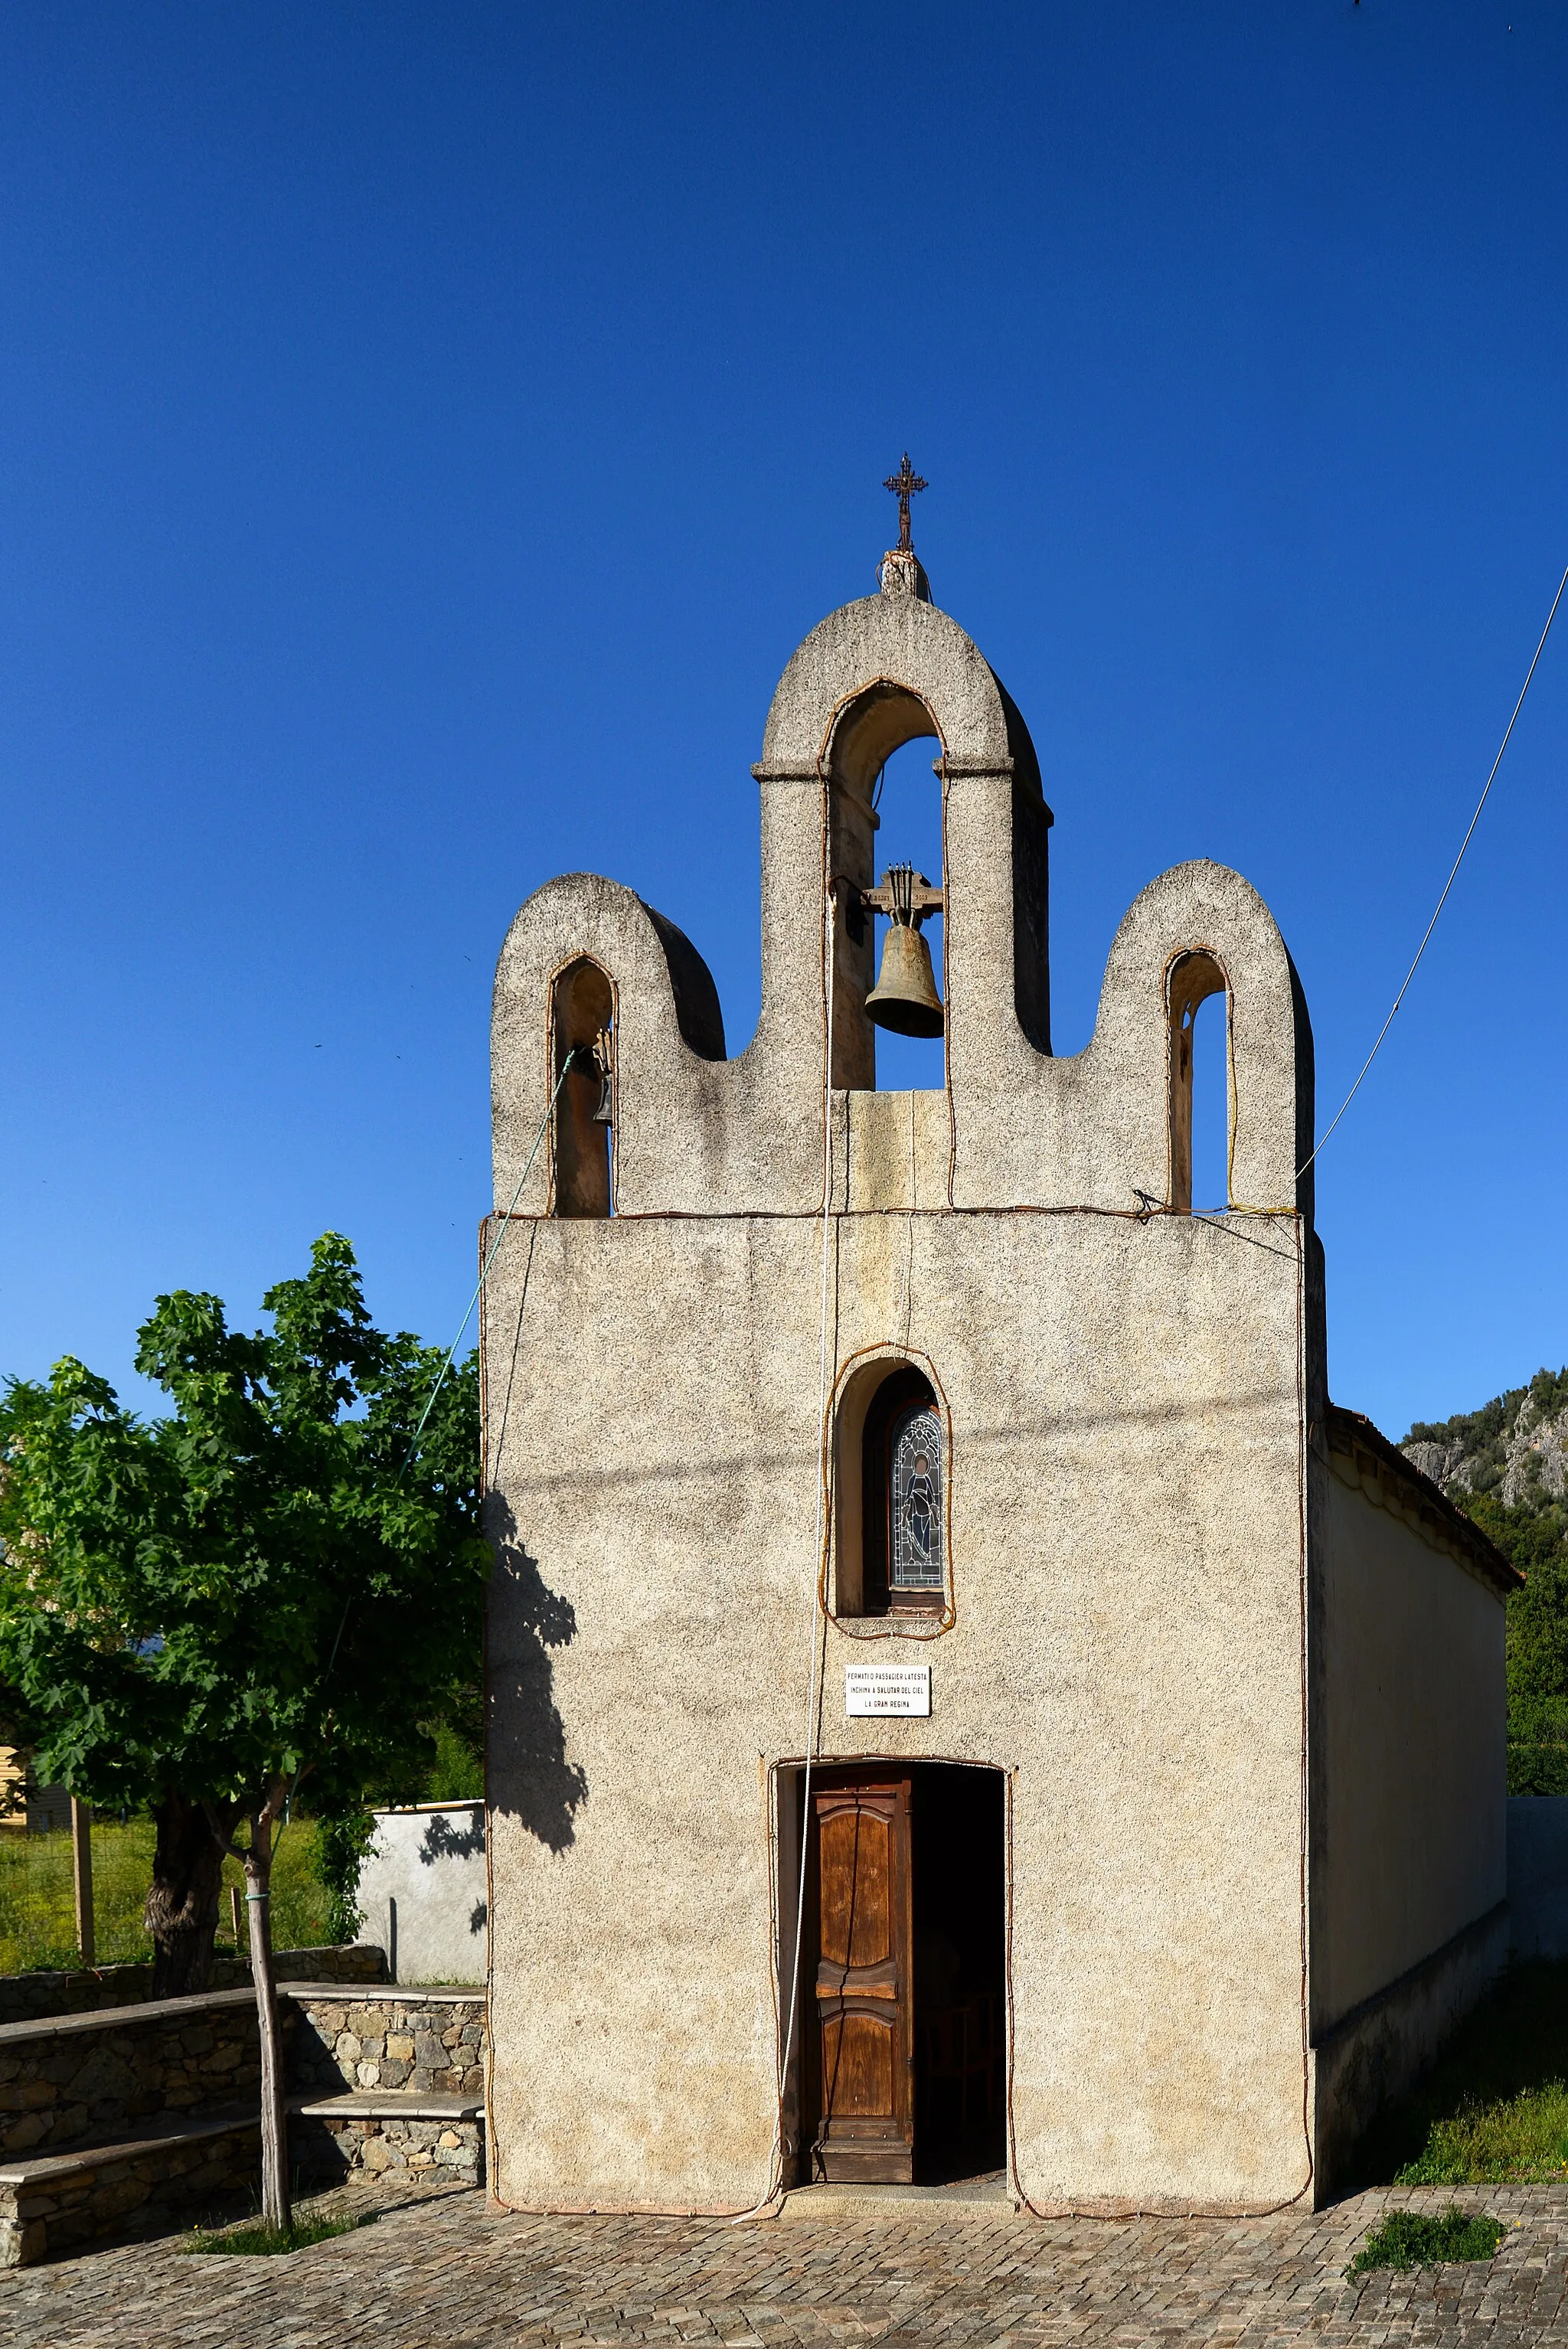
(886, 1688)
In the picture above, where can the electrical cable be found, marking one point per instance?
(775, 2185)
(500, 1235)
(1447, 885)
(909, 1253)
(818, 1636)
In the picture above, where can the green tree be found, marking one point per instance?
(1531, 1539)
(268, 1591)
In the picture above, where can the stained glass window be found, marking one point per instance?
(915, 1512)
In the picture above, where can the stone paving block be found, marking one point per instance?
(454, 2273)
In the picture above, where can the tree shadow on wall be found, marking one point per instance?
(529, 1777)
(442, 1840)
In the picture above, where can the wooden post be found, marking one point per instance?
(82, 1871)
(235, 1916)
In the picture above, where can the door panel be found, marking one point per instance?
(858, 2058)
(857, 1873)
(866, 2116)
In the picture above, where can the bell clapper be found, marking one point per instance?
(605, 1069)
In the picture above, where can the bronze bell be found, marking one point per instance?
(905, 999)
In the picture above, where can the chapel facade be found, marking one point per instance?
(963, 1701)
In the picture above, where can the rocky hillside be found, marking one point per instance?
(1515, 1448)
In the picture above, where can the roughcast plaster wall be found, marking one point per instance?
(1126, 1537)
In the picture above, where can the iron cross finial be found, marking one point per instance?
(902, 484)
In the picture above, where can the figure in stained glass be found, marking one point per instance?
(915, 1500)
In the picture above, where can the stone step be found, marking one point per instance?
(51, 2202)
(381, 1994)
(420, 2138)
(851, 2197)
(102, 2019)
(125, 2105)
(28, 1998)
(389, 2103)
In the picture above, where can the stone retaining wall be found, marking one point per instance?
(30, 1997)
(145, 2190)
(96, 2077)
(327, 2148)
(123, 2117)
(436, 2042)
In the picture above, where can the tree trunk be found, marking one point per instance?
(183, 1903)
(276, 2210)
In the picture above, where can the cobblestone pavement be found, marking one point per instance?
(453, 2273)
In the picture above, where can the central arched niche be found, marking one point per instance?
(872, 1393)
(881, 671)
(866, 730)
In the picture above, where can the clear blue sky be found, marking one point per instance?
(426, 432)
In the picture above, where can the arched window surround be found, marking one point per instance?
(1191, 977)
(843, 1595)
(583, 1009)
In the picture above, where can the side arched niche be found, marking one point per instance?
(1191, 979)
(875, 1399)
(582, 1020)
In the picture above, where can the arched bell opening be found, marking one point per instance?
(1199, 1082)
(889, 886)
(906, 1006)
(583, 1050)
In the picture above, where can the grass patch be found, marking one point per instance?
(1494, 2110)
(37, 1907)
(1414, 2238)
(254, 2239)
(1514, 2140)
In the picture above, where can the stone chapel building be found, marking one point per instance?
(904, 1498)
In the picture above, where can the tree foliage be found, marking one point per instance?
(268, 1590)
(260, 1584)
(1537, 1642)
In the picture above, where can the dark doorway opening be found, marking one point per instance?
(959, 1872)
(902, 2011)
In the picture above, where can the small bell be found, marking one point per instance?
(905, 999)
(606, 1112)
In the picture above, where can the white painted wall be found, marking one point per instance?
(423, 1894)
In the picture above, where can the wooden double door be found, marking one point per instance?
(861, 2086)
(902, 2031)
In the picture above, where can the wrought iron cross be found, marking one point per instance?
(902, 484)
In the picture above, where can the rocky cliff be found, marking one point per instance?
(1515, 1449)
